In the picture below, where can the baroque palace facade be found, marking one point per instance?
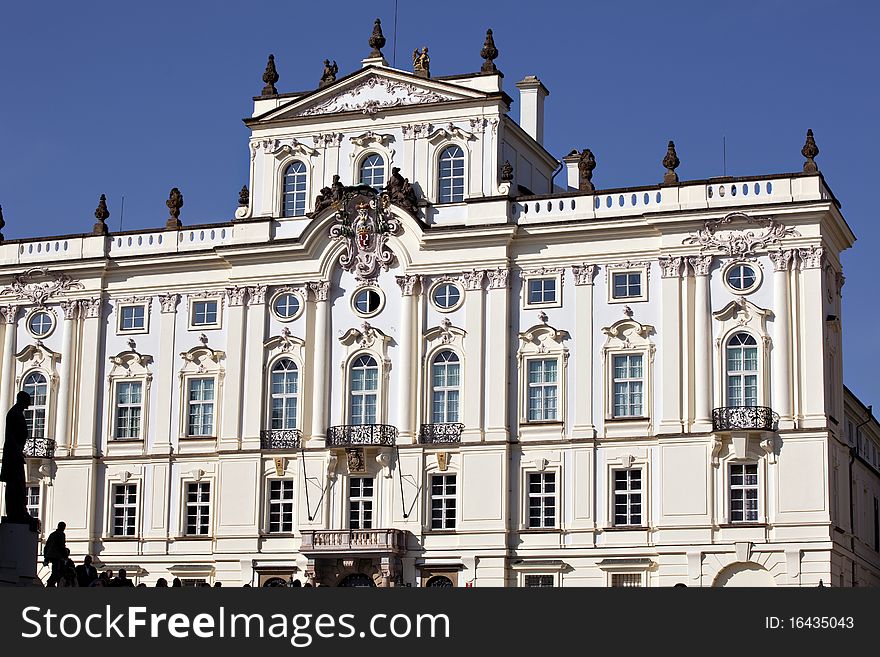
(426, 352)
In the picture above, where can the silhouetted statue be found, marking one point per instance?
(401, 192)
(12, 470)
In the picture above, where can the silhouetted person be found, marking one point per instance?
(161, 583)
(86, 573)
(218, 584)
(121, 579)
(55, 553)
(176, 583)
(12, 470)
(141, 586)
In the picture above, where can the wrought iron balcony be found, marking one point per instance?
(336, 541)
(740, 418)
(446, 432)
(39, 448)
(280, 439)
(360, 435)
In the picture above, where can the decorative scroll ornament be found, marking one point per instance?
(29, 286)
(671, 266)
(498, 278)
(374, 95)
(363, 223)
(740, 242)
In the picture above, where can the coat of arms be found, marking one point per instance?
(364, 222)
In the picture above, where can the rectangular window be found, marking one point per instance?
(542, 499)
(201, 407)
(626, 580)
(281, 506)
(443, 501)
(538, 581)
(33, 501)
(744, 492)
(628, 385)
(542, 290)
(542, 389)
(124, 509)
(626, 285)
(198, 508)
(360, 503)
(132, 318)
(627, 498)
(129, 406)
(204, 313)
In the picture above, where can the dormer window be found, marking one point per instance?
(373, 171)
(451, 175)
(294, 201)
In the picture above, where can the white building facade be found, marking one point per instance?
(495, 375)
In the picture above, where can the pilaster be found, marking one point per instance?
(230, 431)
(497, 354)
(701, 266)
(166, 382)
(474, 388)
(811, 313)
(780, 371)
(252, 395)
(584, 425)
(320, 361)
(63, 442)
(88, 429)
(671, 415)
(7, 369)
(407, 374)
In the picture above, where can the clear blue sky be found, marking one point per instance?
(134, 98)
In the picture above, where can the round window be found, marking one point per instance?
(367, 302)
(446, 296)
(40, 324)
(741, 277)
(286, 306)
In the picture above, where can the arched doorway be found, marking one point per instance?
(357, 580)
(275, 581)
(744, 574)
(439, 580)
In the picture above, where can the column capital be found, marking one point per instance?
(701, 264)
(584, 274)
(70, 308)
(9, 313)
(236, 295)
(498, 278)
(91, 308)
(321, 290)
(473, 280)
(408, 283)
(782, 259)
(811, 257)
(256, 295)
(671, 266)
(169, 302)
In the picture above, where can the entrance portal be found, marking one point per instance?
(358, 580)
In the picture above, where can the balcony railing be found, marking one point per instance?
(280, 439)
(736, 418)
(330, 541)
(359, 435)
(39, 448)
(446, 432)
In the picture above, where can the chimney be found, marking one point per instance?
(532, 93)
(573, 172)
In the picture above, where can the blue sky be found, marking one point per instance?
(134, 98)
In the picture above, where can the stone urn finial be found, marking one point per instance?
(244, 197)
(101, 214)
(377, 40)
(489, 53)
(810, 151)
(670, 161)
(270, 77)
(506, 171)
(174, 203)
(586, 164)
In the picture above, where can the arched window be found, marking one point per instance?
(36, 386)
(742, 370)
(445, 382)
(295, 189)
(373, 171)
(285, 386)
(451, 175)
(363, 390)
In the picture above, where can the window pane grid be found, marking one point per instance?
(538, 581)
(373, 171)
(360, 503)
(742, 370)
(281, 506)
(628, 385)
(363, 387)
(132, 318)
(198, 508)
(443, 501)
(626, 285)
(128, 409)
(445, 377)
(36, 386)
(33, 501)
(451, 176)
(627, 497)
(295, 190)
(744, 492)
(542, 290)
(201, 407)
(204, 313)
(542, 389)
(284, 394)
(124, 509)
(542, 499)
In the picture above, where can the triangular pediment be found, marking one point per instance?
(371, 91)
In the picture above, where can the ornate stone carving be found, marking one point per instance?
(446, 334)
(408, 283)
(449, 131)
(329, 196)
(244, 197)
(782, 259)
(671, 162)
(28, 285)
(478, 124)
(584, 274)
(91, 308)
(9, 313)
(356, 461)
(839, 281)
(634, 264)
(377, 40)
(415, 130)
(543, 271)
(364, 223)
(101, 214)
(671, 266)
(489, 53)
(174, 203)
(236, 295)
(506, 174)
(369, 137)
(383, 459)
(168, 302)
(374, 94)
(327, 139)
(256, 295)
(739, 242)
(498, 278)
(70, 309)
(321, 290)
(402, 193)
(586, 164)
(810, 151)
(810, 257)
(701, 264)
(421, 62)
(328, 76)
(473, 280)
(270, 77)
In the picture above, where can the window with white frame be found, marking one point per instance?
(200, 395)
(363, 390)
(373, 171)
(124, 509)
(40, 323)
(129, 410)
(443, 506)
(367, 302)
(295, 189)
(626, 580)
(446, 296)
(286, 306)
(132, 318)
(538, 581)
(741, 277)
(33, 501)
(628, 385)
(627, 497)
(360, 503)
(543, 389)
(744, 492)
(205, 313)
(198, 508)
(627, 285)
(445, 385)
(542, 291)
(542, 499)
(37, 387)
(742, 370)
(281, 506)
(451, 175)
(284, 394)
